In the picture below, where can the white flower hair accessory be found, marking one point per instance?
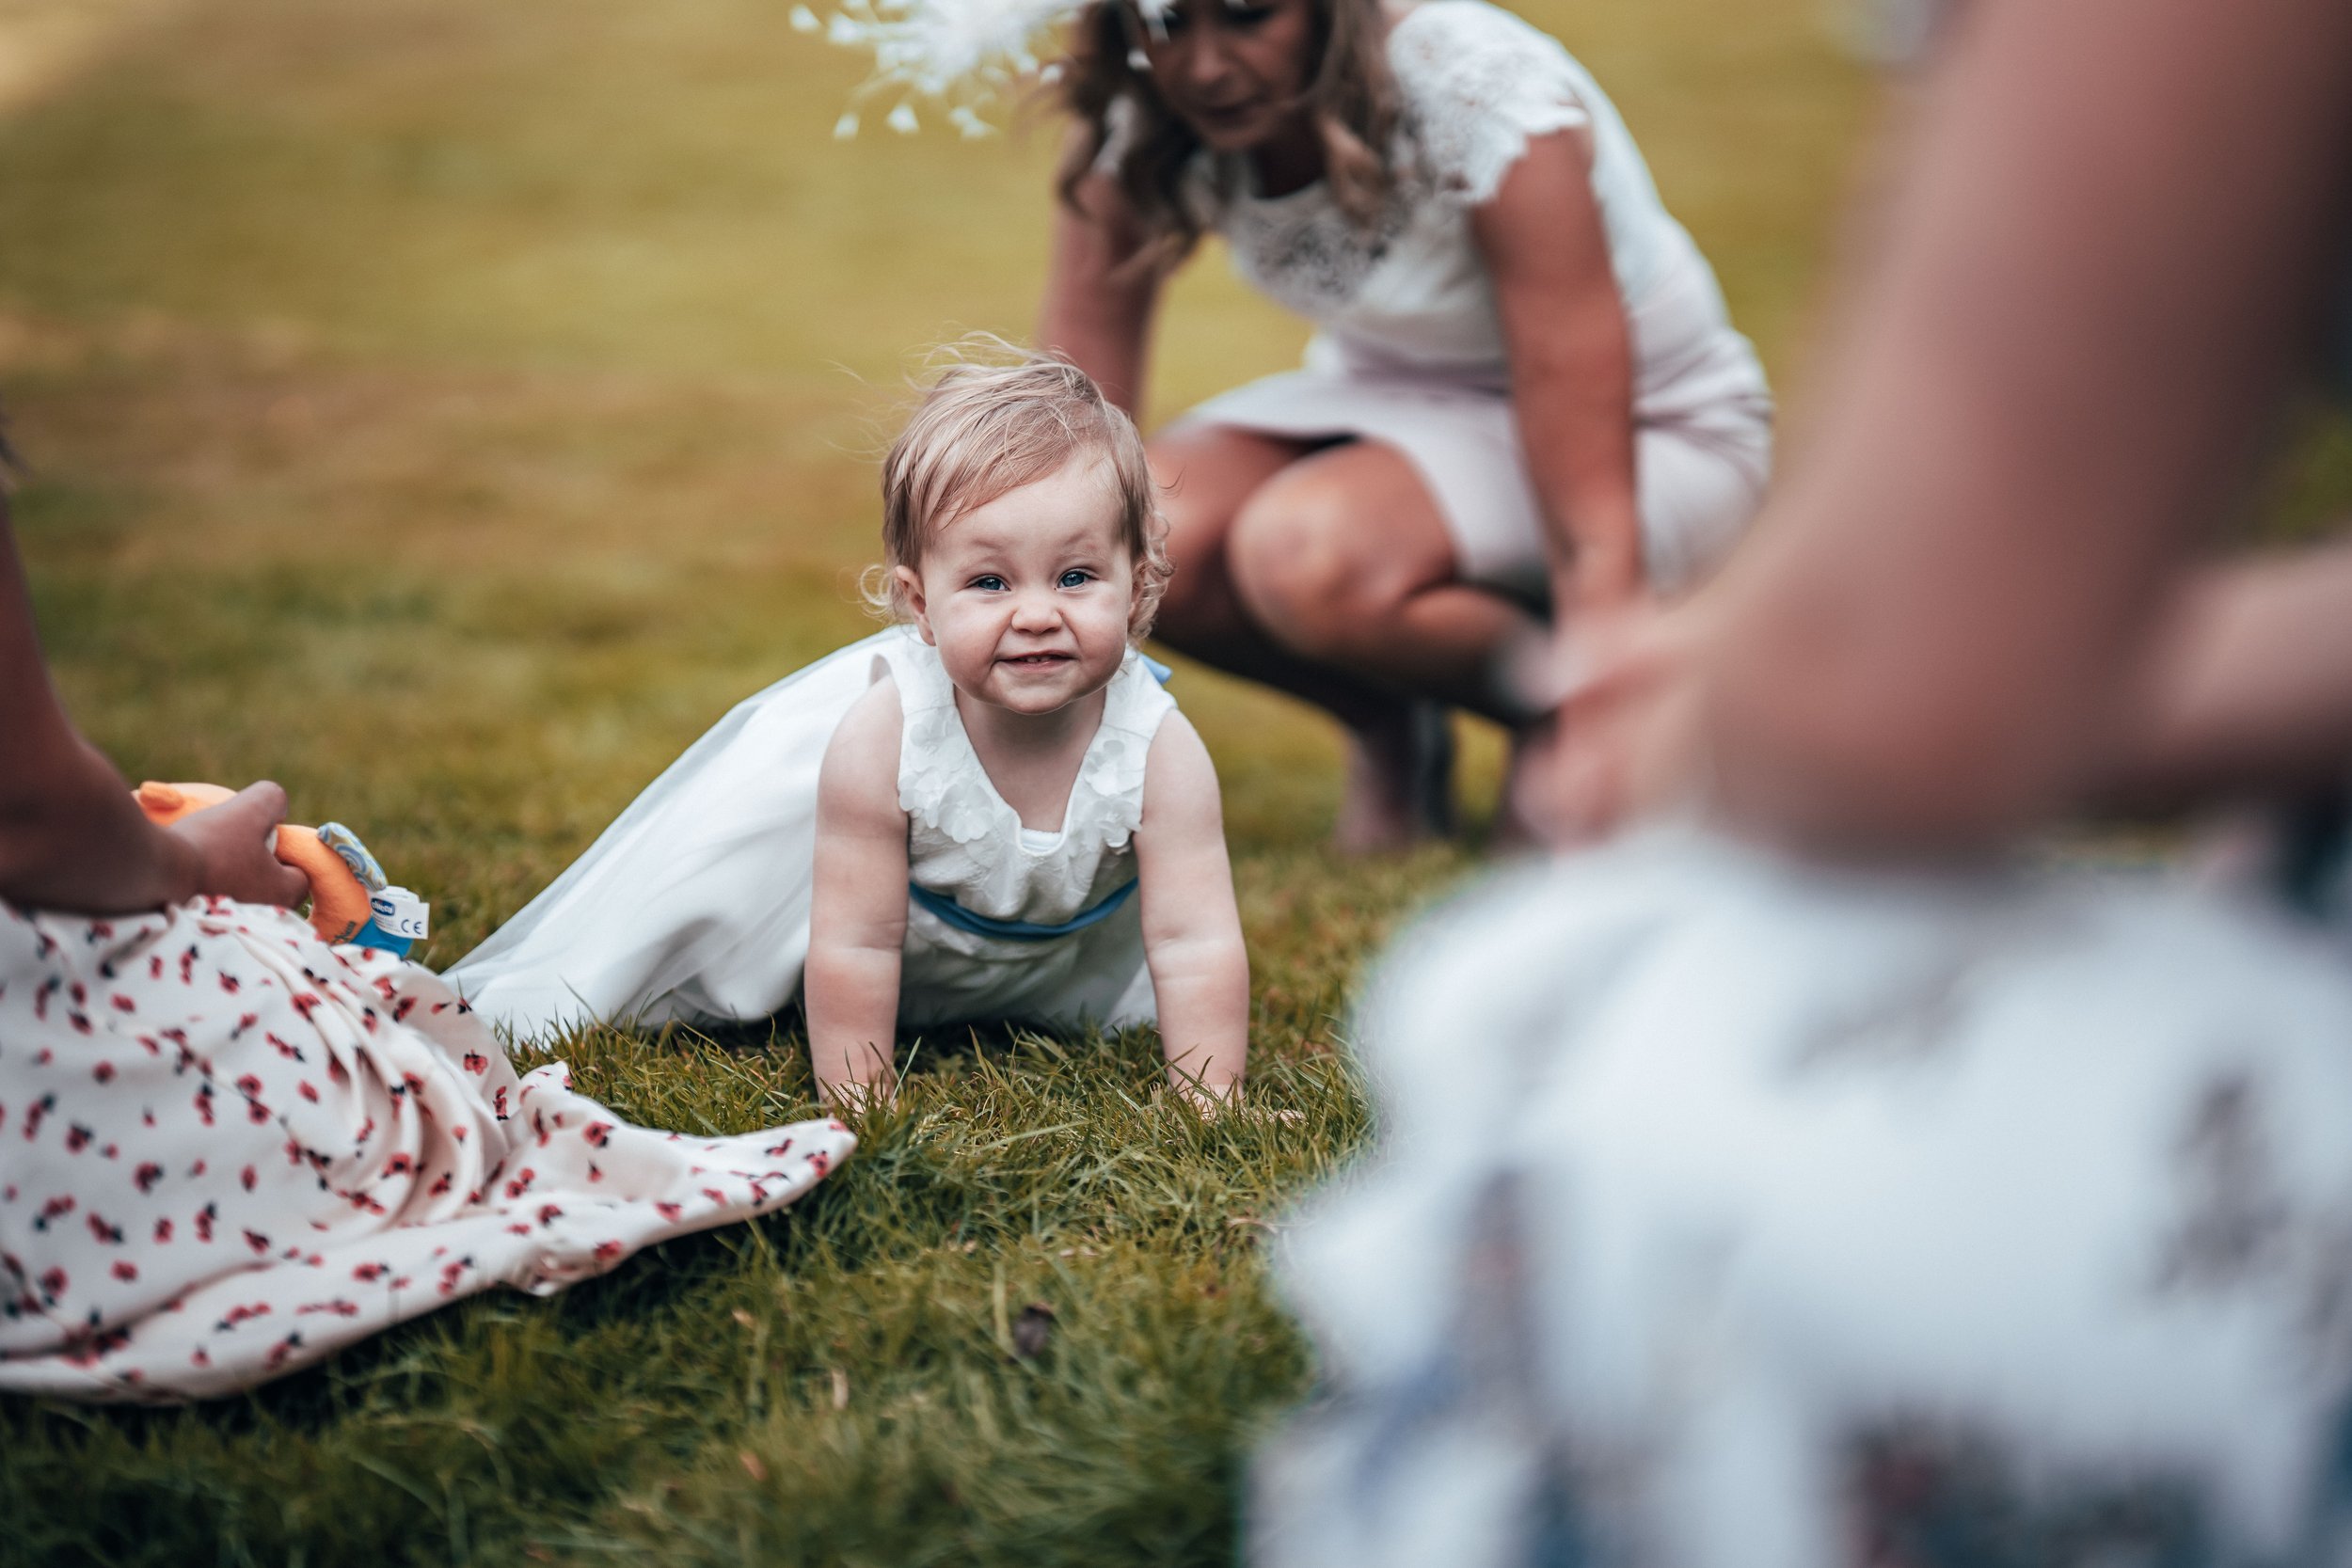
(960, 53)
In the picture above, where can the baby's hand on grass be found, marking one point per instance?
(1212, 1101)
(851, 1097)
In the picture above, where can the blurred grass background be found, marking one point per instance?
(449, 409)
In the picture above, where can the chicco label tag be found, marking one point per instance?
(402, 913)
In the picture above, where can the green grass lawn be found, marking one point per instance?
(449, 408)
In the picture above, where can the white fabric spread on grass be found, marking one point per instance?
(1696, 1167)
(694, 904)
(227, 1151)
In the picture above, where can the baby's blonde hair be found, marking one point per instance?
(998, 418)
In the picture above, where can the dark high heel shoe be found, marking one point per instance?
(1400, 783)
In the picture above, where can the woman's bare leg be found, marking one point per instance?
(1345, 557)
(1207, 476)
(1211, 475)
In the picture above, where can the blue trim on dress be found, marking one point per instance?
(1018, 930)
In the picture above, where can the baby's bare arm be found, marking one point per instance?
(858, 908)
(1191, 929)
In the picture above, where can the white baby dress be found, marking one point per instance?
(694, 904)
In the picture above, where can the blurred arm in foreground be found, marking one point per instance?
(1973, 604)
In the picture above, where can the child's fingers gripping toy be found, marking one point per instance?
(349, 900)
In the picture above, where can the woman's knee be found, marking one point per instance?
(1307, 566)
(1204, 477)
(1199, 600)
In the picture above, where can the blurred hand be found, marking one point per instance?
(1587, 594)
(233, 851)
(1626, 740)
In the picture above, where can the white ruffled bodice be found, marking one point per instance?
(964, 842)
(1410, 292)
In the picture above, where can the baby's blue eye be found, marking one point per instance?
(988, 583)
(1076, 578)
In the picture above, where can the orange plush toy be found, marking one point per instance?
(341, 910)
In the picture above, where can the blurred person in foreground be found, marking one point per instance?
(1802, 1179)
(227, 1150)
(1979, 600)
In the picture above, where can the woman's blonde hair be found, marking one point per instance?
(1352, 101)
(998, 418)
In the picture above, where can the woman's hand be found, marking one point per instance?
(1599, 577)
(231, 846)
(1630, 686)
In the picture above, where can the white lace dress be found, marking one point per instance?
(1410, 350)
(694, 904)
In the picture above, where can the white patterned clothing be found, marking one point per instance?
(694, 904)
(1714, 1169)
(227, 1151)
(1410, 349)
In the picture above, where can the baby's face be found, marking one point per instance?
(1027, 597)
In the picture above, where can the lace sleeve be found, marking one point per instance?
(1478, 83)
